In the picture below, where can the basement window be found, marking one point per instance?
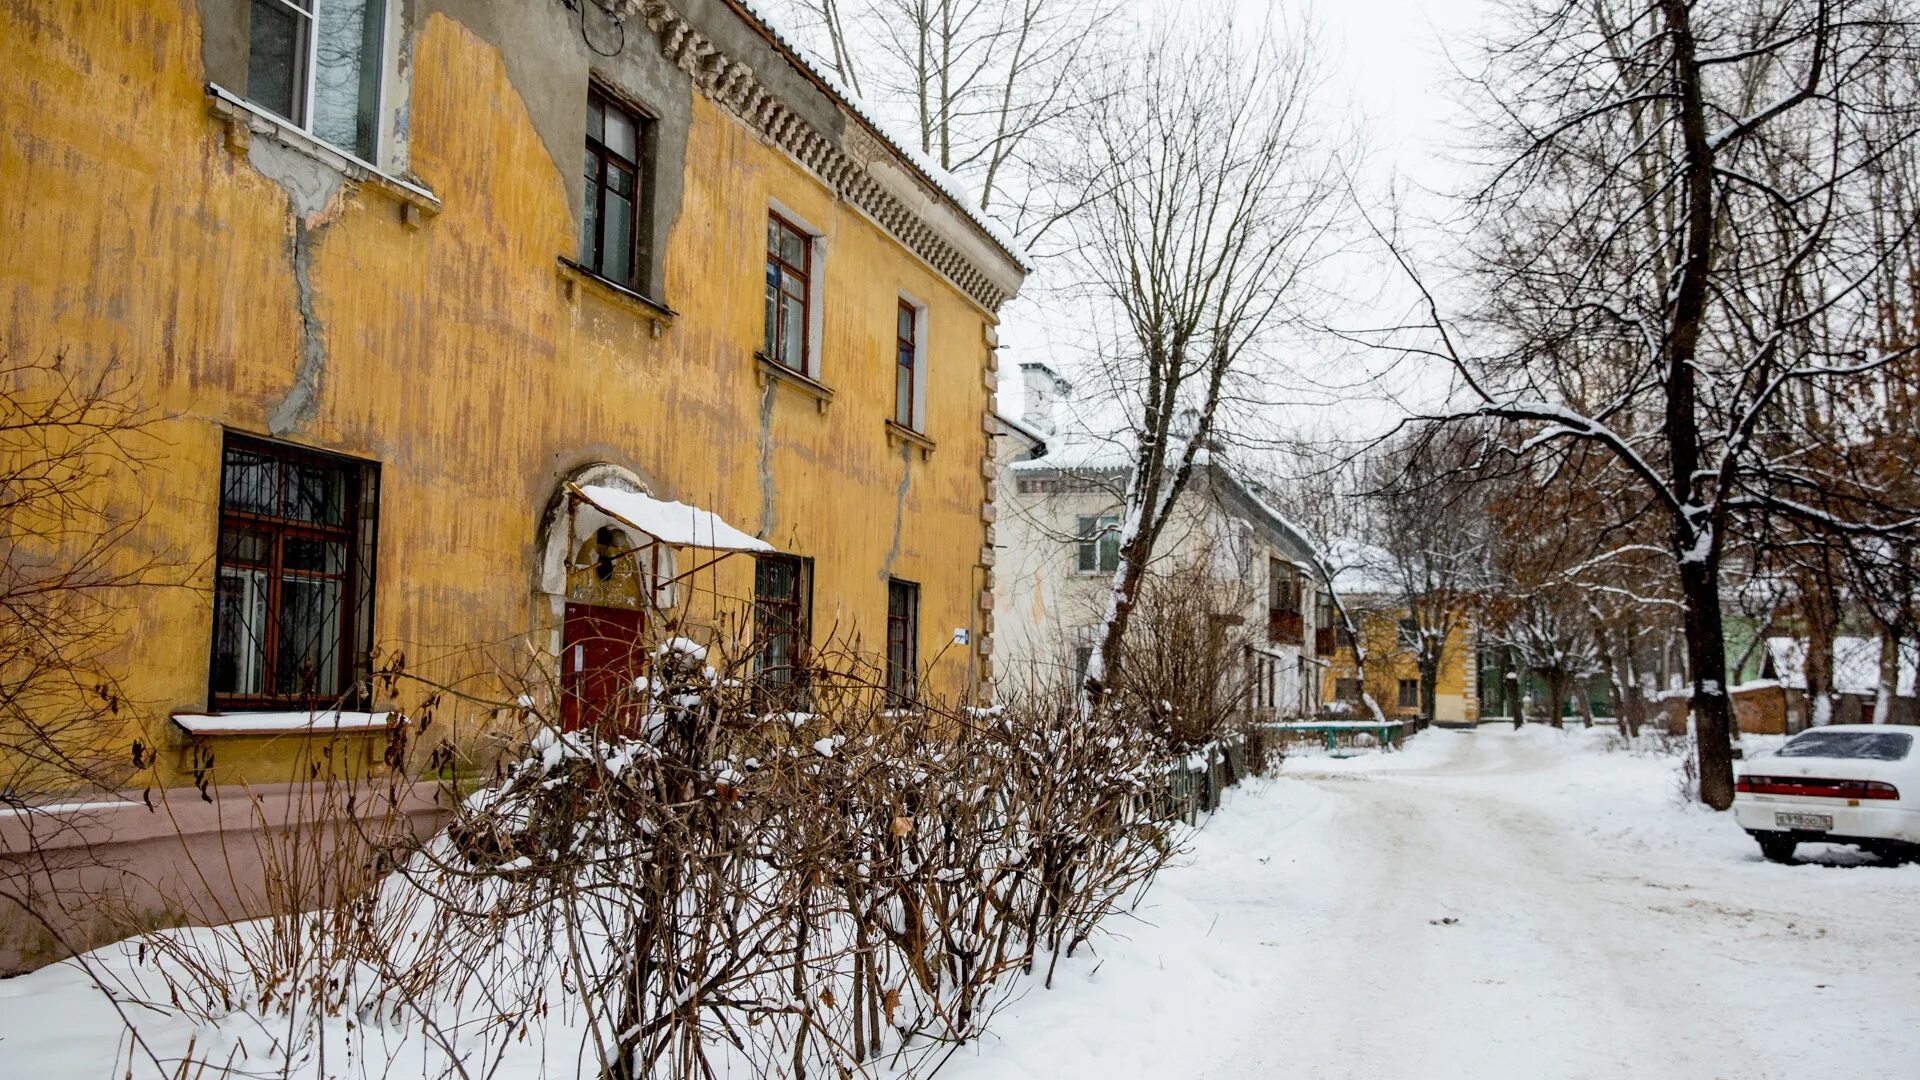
(317, 64)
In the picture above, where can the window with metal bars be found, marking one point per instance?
(903, 643)
(293, 585)
(615, 228)
(782, 592)
(789, 294)
(318, 63)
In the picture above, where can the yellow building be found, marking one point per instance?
(1393, 668)
(419, 291)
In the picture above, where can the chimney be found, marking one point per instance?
(1045, 389)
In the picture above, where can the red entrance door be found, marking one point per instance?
(601, 658)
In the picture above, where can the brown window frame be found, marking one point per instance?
(779, 271)
(903, 629)
(798, 609)
(357, 535)
(1402, 689)
(906, 357)
(1285, 624)
(601, 159)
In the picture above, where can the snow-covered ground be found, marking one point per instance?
(1485, 904)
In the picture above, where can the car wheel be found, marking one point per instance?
(1777, 848)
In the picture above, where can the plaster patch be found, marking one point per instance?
(309, 184)
(767, 489)
(303, 397)
(899, 509)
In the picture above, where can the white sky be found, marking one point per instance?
(1391, 76)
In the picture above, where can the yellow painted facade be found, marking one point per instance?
(449, 348)
(1390, 663)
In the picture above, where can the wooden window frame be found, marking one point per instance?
(1092, 530)
(903, 627)
(1401, 702)
(778, 267)
(640, 227)
(906, 355)
(356, 577)
(800, 607)
(1285, 623)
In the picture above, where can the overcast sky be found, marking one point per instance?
(1391, 74)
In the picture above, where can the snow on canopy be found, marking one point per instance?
(1856, 664)
(673, 523)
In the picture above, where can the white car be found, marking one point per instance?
(1844, 784)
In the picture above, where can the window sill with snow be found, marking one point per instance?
(327, 721)
(898, 433)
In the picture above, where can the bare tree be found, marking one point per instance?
(988, 87)
(66, 436)
(1429, 533)
(1212, 195)
(1682, 186)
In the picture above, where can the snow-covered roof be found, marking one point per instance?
(1023, 429)
(1856, 664)
(1360, 568)
(943, 181)
(672, 523)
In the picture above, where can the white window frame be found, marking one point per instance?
(304, 122)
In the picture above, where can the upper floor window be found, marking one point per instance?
(903, 642)
(292, 609)
(789, 294)
(906, 361)
(318, 63)
(613, 219)
(1099, 544)
(1284, 622)
(1283, 587)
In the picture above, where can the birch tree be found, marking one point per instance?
(1211, 191)
(1683, 183)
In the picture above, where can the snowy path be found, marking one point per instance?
(1600, 927)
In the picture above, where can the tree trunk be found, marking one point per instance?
(1817, 608)
(1616, 677)
(1889, 683)
(1516, 700)
(1583, 702)
(1696, 525)
(1707, 662)
(1429, 689)
(1556, 697)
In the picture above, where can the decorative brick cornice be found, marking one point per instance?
(850, 169)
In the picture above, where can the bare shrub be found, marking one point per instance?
(702, 873)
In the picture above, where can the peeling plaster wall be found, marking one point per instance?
(262, 293)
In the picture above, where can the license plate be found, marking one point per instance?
(1803, 821)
